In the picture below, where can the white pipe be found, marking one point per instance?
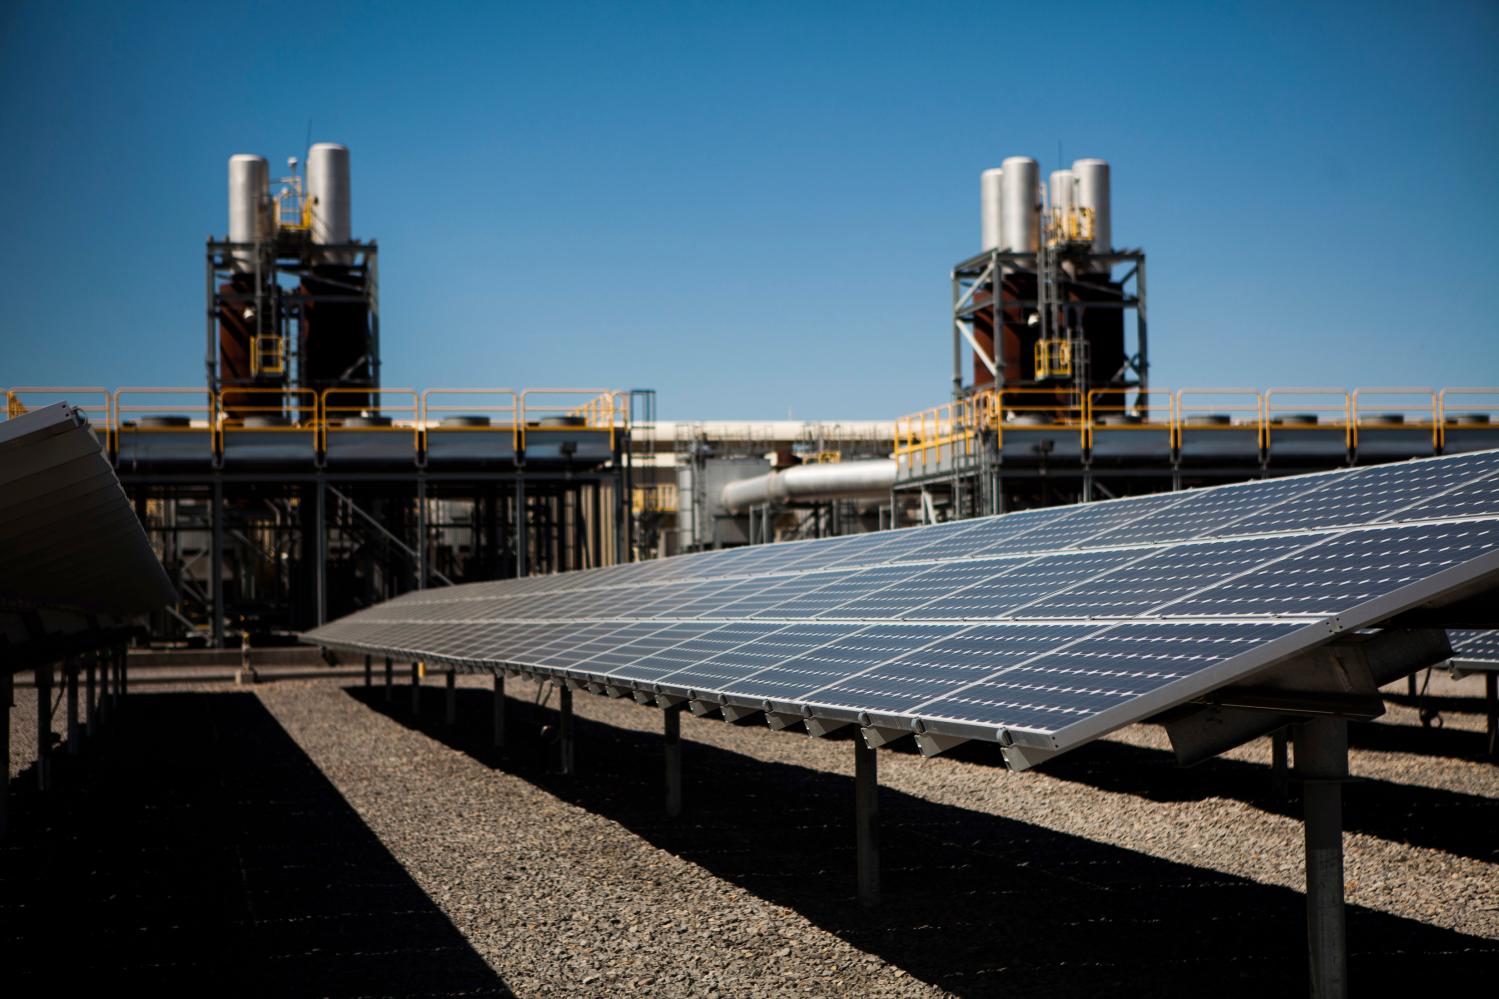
(812, 483)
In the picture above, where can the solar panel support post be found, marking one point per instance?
(565, 729)
(452, 699)
(369, 678)
(867, 823)
(672, 718)
(7, 682)
(499, 712)
(43, 682)
(90, 709)
(390, 679)
(1491, 706)
(1278, 762)
(70, 677)
(320, 549)
(416, 690)
(1322, 766)
(216, 563)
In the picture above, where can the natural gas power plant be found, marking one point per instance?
(296, 485)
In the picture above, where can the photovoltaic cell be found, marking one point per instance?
(653, 665)
(741, 662)
(1203, 511)
(1479, 646)
(1004, 586)
(794, 678)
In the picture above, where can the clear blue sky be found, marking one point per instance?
(754, 208)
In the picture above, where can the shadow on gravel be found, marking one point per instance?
(195, 850)
(974, 903)
(1449, 821)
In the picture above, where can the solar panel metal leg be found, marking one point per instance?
(867, 823)
(369, 672)
(70, 677)
(390, 679)
(673, 741)
(7, 681)
(1491, 702)
(90, 709)
(1322, 765)
(124, 675)
(499, 711)
(43, 726)
(1278, 763)
(416, 690)
(452, 693)
(565, 729)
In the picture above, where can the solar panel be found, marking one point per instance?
(1043, 628)
(1474, 646)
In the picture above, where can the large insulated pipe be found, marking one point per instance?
(329, 193)
(991, 204)
(1093, 193)
(813, 483)
(249, 205)
(1021, 212)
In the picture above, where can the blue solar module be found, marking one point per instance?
(1045, 627)
(1475, 646)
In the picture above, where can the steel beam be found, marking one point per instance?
(867, 823)
(673, 742)
(43, 680)
(565, 729)
(1322, 766)
(499, 711)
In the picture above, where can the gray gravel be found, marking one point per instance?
(1050, 879)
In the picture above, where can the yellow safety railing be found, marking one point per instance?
(1456, 406)
(338, 405)
(1153, 409)
(93, 401)
(1411, 408)
(1231, 409)
(1053, 358)
(1332, 408)
(137, 403)
(1039, 408)
(954, 423)
(661, 497)
(267, 355)
(501, 405)
(298, 406)
(596, 407)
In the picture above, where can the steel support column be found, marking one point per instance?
(90, 708)
(1278, 763)
(70, 677)
(522, 530)
(565, 729)
(1322, 766)
(43, 682)
(320, 549)
(673, 719)
(369, 678)
(867, 823)
(499, 711)
(216, 563)
(390, 680)
(421, 534)
(451, 716)
(7, 681)
(1491, 704)
(416, 690)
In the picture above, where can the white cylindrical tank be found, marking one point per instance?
(1021, 211)
(249, 205)
(1093, 193)
(870, 479)
(329, 194)
(1063, 200)
(991, 203)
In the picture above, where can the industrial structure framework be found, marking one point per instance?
(295, 486)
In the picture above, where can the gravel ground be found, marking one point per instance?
(316, 840)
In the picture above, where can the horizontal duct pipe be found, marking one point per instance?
(813, 483)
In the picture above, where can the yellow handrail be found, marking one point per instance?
(1320, 401)
(502, 408)
(1094, 411)
(1465, 401)
(139, 409)
(1396, 400)
(597, 409)
(1230, 402)
(376, 401)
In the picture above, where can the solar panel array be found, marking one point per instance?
(1475, 648)
(1043, 628)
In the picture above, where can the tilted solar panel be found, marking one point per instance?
(1042, 628)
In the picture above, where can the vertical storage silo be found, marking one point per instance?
(991, 208)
